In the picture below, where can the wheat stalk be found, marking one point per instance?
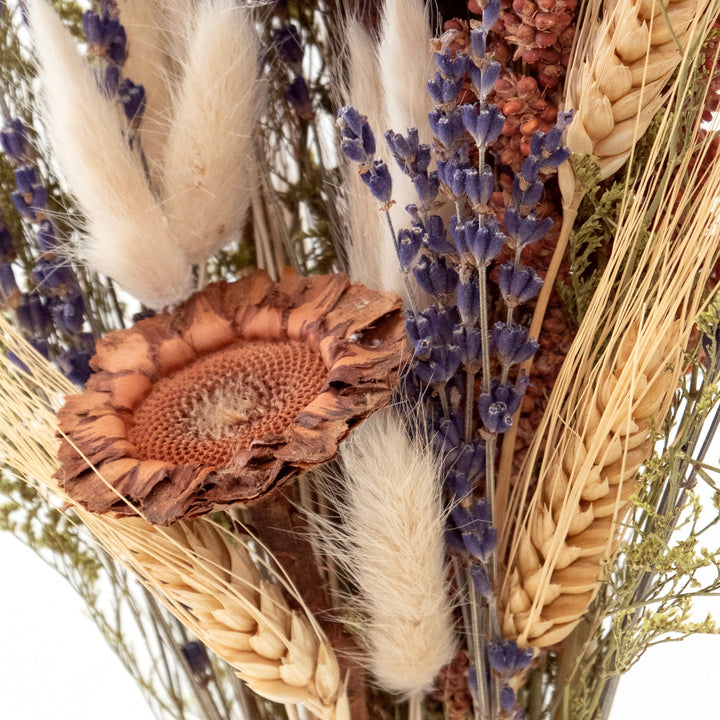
(210, 582)
(616, 384)
(585, 492)
(620, 69)
(205, 577)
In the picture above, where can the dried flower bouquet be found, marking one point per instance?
(446, 464)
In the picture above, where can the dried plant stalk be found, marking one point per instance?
(585, 494)
(619, 70)
(211, 584)
(617, 381)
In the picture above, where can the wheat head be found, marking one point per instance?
(576, 519)
(210, 582)
(619, 70)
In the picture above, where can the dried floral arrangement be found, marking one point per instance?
(368, 354)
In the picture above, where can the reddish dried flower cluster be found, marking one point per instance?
(526, 111)
(538, 33)
(451, 688)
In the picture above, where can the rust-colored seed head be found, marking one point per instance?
(218, 405)
(230, 395)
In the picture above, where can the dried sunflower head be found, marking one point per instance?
(229, 396)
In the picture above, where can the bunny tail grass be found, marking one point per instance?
(370, 248)
(147, 64)
(209, 163)
(127, 235)
(390, 543)
(406, 64)
(207, 578)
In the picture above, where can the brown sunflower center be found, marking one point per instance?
(217, 406)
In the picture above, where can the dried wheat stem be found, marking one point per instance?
(585, 492)
(619, 70)
(209, 581)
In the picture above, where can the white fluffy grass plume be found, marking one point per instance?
(390, 544)
(370, 248)
(148, 64)
(127, 236)
(208, 169)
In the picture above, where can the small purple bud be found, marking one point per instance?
(447, 127)
(512, 344)
(287, 41)
(355, 128)
(452, 68)
(427, 188)
(409, 244)
(436, 277)
(484, 124)
(112, 80)
(491, 13)
(459, 485)
(47, 242)
(442, 365)
(7, 249)
(14, 141)
(468, 295)
(9, 291)
(25, 179)
(377, 178)
(478, 46)
(75, 366)
(33, 316)
(525, 230)
(507, 699)
(469, 340)
(518, 285)
(298, 97)
(436, 238)
(132, 99)
(526, 194)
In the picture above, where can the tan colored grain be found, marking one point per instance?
(618, 74)
(585, 493)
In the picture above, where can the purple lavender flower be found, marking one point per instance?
(484, 123)
(132, 99)
(499, 405)
(507, 659)
(436, 277)
(106, 36)
(507, 699)
(512, 344)
(447, 127)
(377, 178)
(14, 141)
(289, 46)
(298, 97)
(444, 90)
(356, 137)
(7, 249)
(518, 284)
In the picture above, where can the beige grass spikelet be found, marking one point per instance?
(208, 170)
(616, 79)
(585, 495)
(390, 545)
(128, 237)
